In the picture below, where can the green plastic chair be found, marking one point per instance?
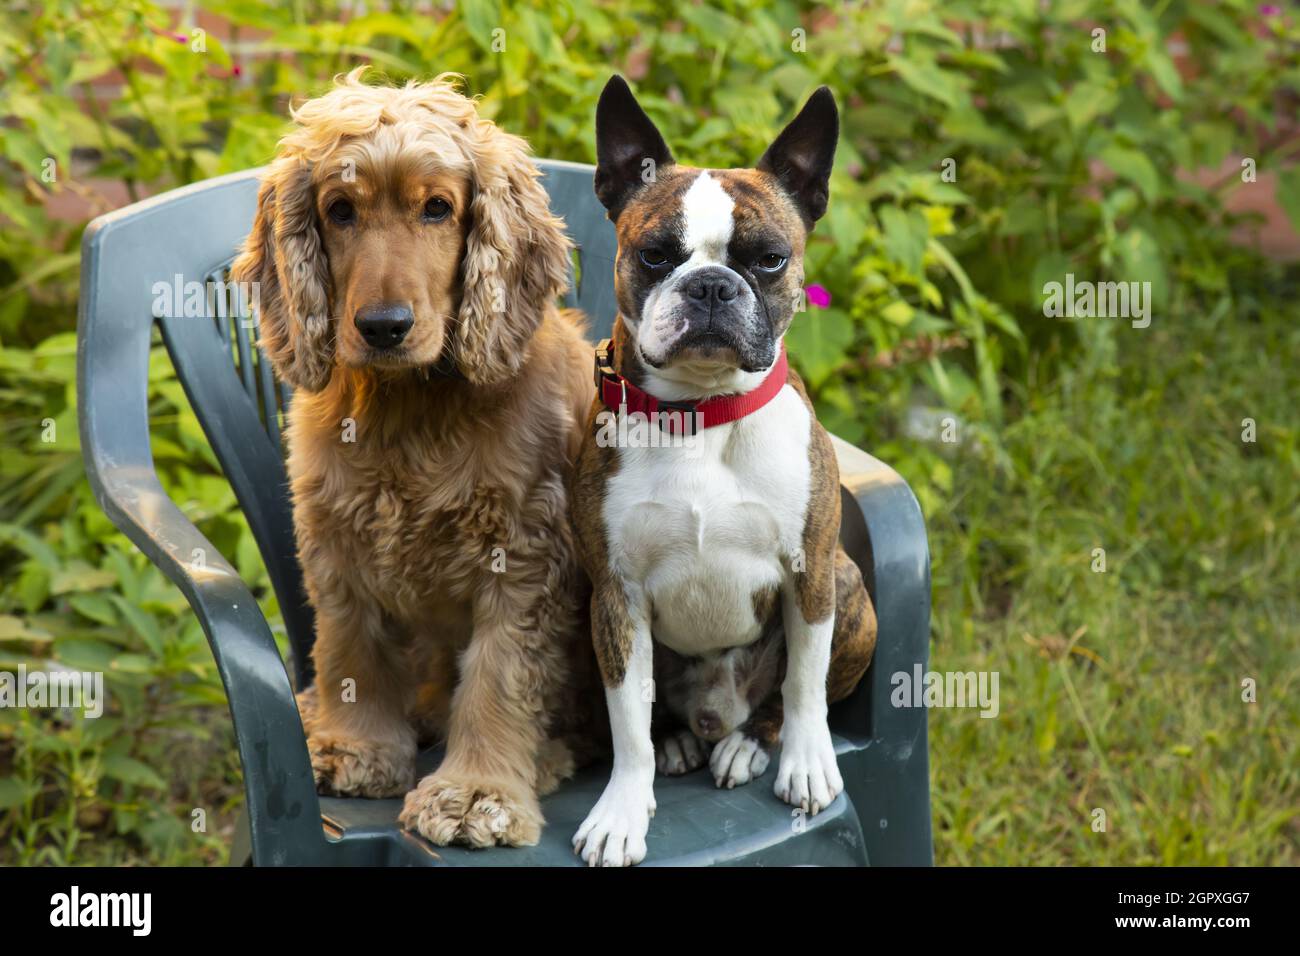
(883, 818)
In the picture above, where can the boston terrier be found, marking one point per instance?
(717, 522)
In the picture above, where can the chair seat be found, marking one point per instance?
(883, 757)
(695, 824)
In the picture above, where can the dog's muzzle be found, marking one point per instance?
(713, 311)
(718, 310)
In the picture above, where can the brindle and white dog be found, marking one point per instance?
(705, 545)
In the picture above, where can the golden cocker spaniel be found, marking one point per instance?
(408, 267)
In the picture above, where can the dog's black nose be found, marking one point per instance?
(713, 286)
(707, 723)
(384, 325)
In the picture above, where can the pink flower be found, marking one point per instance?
(1270, 10)
(818, 295)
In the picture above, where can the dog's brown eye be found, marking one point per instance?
(654, 258)
(771, 262)
(436, 209)
(341, 212)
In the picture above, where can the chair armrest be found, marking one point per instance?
(883, 530)
(113, 341)
(283, 809)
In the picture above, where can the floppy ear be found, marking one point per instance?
(284, 257)
(625, 139)
(802, 156)
(516, 260)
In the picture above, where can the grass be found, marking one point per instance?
(122, 789)
(1122, 691)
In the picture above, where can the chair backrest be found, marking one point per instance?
(237, 398)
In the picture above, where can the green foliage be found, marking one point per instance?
(1123, 690)
(988, 147)
(78, 593)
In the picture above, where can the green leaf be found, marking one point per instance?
(928, 79)
(709, 22)
(142, 623)
(1087, 101)
(89, 68)
(906, 233)
(31, 545)
(33, 586)
(481, 18)
(897, 313)
(131, 771)
(17, 629)
(880, 121)
(845, 227)
(1135, 167)
(13, 794)
(97, 607)
(950, 263)
(1165, 73)
(1050, 267)
(818, 340)
(84, 654)
(133, 664)
(48, 268)
(80, 576)
(1034, 102)
(1141, 261)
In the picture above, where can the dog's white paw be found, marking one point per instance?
(680, 752)
(737, 759)
(808, 776)
(614, 832)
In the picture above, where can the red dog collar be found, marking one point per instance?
(621, 395)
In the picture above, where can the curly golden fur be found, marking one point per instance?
(429, 507)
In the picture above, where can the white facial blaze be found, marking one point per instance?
(707, 223)
(707, 211)
(707, 226)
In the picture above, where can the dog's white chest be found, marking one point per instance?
(698, 530)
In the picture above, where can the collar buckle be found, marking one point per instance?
(605, 363)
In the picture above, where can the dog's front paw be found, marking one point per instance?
(309, 709)
(737, 759)
(447, 809)
(614, 832)
(808, 776)
(680, 752)
(353, 767)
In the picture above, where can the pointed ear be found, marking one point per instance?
(802, 156)
(625, 139)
